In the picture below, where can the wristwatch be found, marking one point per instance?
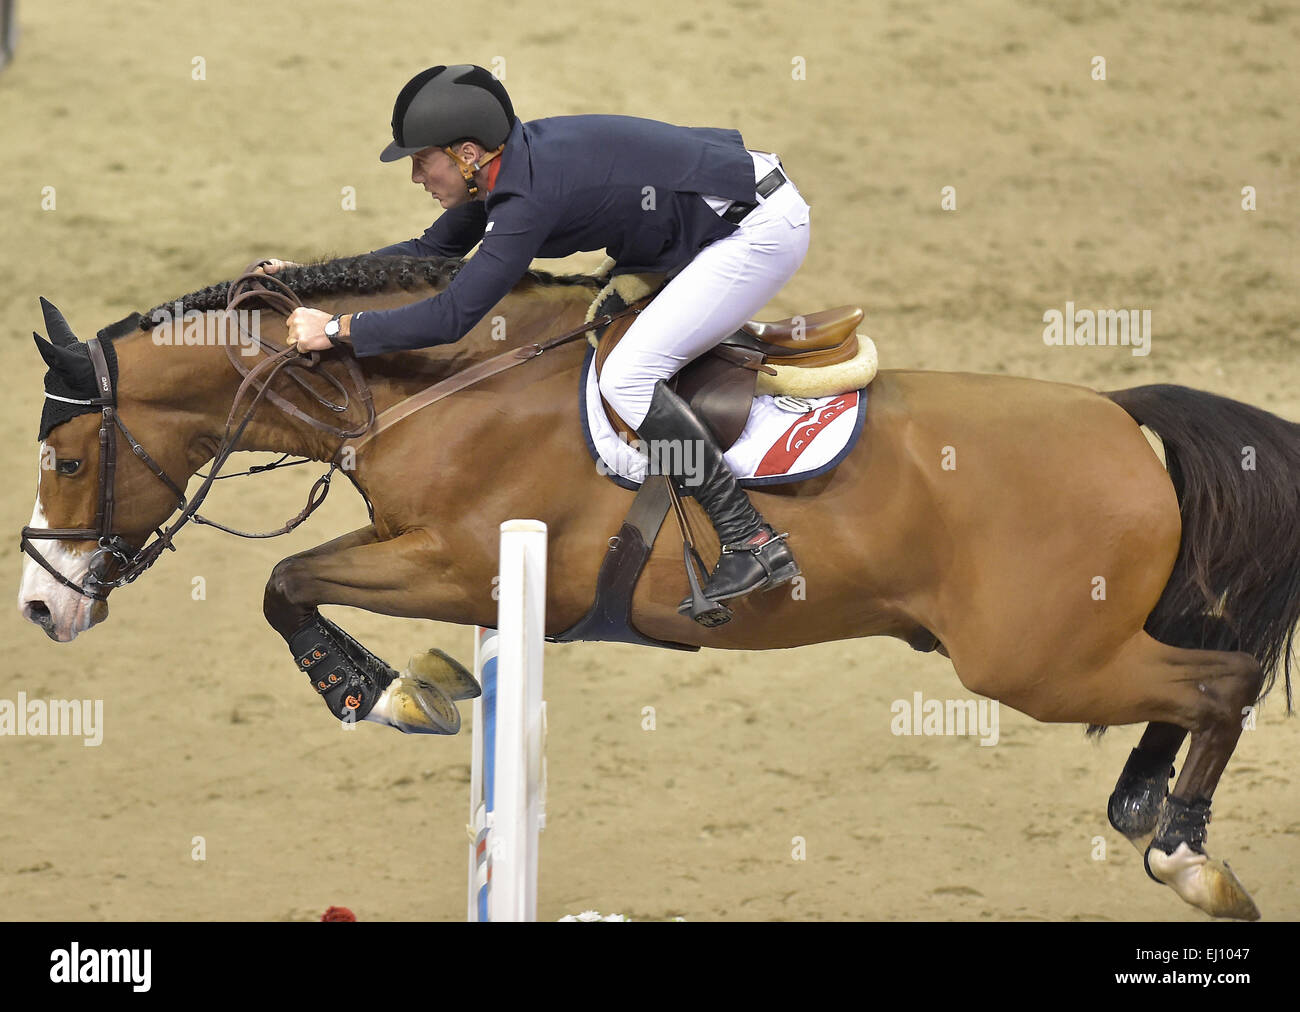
(332, 329)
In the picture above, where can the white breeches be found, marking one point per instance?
(729, 281)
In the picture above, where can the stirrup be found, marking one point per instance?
(766, 576)
(709, 614)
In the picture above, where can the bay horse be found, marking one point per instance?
(1024, 529)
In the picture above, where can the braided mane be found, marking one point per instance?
(357, 275)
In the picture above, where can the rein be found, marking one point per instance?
(481, 371)
(252, 286)
(112, 548)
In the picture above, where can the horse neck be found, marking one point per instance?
(193, 385)
(198, 382)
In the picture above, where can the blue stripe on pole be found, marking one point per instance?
(489, 732)
(489, 772)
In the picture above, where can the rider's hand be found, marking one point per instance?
(307, 329)
(272, 265)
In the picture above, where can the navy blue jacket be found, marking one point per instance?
(570, 184)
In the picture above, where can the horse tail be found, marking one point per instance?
(1236, 470)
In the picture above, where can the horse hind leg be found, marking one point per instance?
(1202, 692)
(1226, 684)
(1139, 796)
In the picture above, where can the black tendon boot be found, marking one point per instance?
(348, 676)
(754, 556)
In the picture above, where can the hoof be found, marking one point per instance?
(415, 705)
(446, 672)
(1203, 882)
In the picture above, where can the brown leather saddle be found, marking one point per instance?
(720, 384)
(720, 387)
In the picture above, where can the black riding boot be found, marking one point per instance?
(754, 556)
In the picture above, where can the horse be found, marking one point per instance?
(1024, 529)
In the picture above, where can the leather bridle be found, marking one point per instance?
(112, 548)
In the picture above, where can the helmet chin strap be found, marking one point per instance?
(468, 169)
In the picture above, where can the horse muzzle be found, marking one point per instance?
(60, 610)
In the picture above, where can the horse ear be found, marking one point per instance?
(55, 325)
(48, 352)
(75, 369)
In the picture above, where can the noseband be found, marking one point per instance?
(112, 549)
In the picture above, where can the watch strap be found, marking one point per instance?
(338, 329)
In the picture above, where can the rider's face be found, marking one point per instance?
(433, 169)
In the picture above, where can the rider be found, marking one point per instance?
(725, 223)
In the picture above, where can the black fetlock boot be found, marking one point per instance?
(754, 556)
(1139, 796)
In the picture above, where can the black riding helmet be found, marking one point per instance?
(445, 104)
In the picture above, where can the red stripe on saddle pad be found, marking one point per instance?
(785, 451)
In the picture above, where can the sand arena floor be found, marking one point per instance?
(1119, 193)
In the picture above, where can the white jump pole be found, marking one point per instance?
(508, 773)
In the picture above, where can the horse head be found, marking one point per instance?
(89, 486)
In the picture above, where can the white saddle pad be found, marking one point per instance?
(786, 438)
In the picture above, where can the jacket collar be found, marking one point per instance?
(515, 176)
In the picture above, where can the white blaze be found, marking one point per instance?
(69, 610)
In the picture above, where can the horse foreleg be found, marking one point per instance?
(393, 577)
(284, 604)
(1139, 795)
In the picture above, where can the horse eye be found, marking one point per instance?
(68, 465)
